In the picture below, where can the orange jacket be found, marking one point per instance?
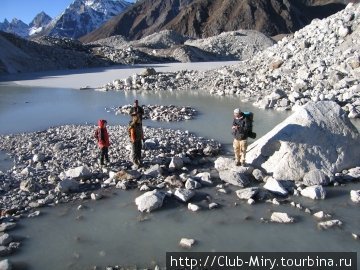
(102, 135)
(136, 133)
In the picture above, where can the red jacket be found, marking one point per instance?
(102, 135)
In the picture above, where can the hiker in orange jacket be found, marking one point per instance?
(136, 135)
(102, 138)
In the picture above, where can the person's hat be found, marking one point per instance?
(237, 111)
(136, 101)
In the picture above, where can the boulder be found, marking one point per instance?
(281, 218)
(67, 186)
(186, 242)
(315, 177)
(184, 194)
(204, 178)
(148, 72)
(150, 201)
(174, 181)
(318, 136)
(222, 163)
(235, 178)
(314, 192)
(247, 193)
(154, 171)
(355, 196)
(193, 207)
(82, 172)
(275, 186)
(7, 226)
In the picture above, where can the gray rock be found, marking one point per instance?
(82, 172)
(315, 177)
(38, 158)
(154, 171)
(7, 226)
(184, 194)
(192, 184)
(174, 181)
(5, 265)
(150, 201)
(5, 239)
(4, 251)
(355, 196)
(314, 192)
(235, 178)
(275, 186)
(329, 224)
(125, 175)
(281, 218)
(247, 193)
(317, 131)
(67, 186)
(95, 196)
(213, 205)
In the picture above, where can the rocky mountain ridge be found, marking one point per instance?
(205, 18)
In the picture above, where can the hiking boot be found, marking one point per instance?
(238, 163)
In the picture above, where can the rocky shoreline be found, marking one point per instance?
(319, 62)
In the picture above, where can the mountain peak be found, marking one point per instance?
(40, 20)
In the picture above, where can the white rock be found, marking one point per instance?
(355, 195)
(7, 226)
(205, 178)
(321, 215)
(329, 224)
(150, 201)
(247, 193)
(186, 242)
(95, 196)
(67, 186)
(223, 163)
(213, 205)
(275, 186)
(176, 163)
(192, 184)
(315, 177)
(251, 201)
(281, 218)
(193, 207)
(184, 194)
(314, 192)
(78, 172)
(5, 265)
(5, 239)
(38, 158)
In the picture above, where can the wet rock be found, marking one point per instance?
(186, 242)
(247, 193)
(355, 236)
(329, 224)
(193, 207)
(281, 218)
(235, 178)
(213, 205)
(95, 196)
(314, 192)
(34, 214)
(150, 201)
(250, 201)
(67, 186)
(4, 251)
(275, 186)
(315, 177)
(184, 194)
(7, 226)
(5, 239)
(82, 172)
(355, 196)
(293, 147)
(5, 264)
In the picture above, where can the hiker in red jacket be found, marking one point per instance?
(102, 138)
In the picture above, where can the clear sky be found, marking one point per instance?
(26, 10)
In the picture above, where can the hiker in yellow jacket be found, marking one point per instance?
(136, 135)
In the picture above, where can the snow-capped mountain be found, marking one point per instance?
(38, 23)
(83, 16)
(16, 27)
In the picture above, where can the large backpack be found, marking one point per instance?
(249, 116)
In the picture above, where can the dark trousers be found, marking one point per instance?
(136, 151)
(104, 153)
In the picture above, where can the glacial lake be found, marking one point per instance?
(112, 232)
